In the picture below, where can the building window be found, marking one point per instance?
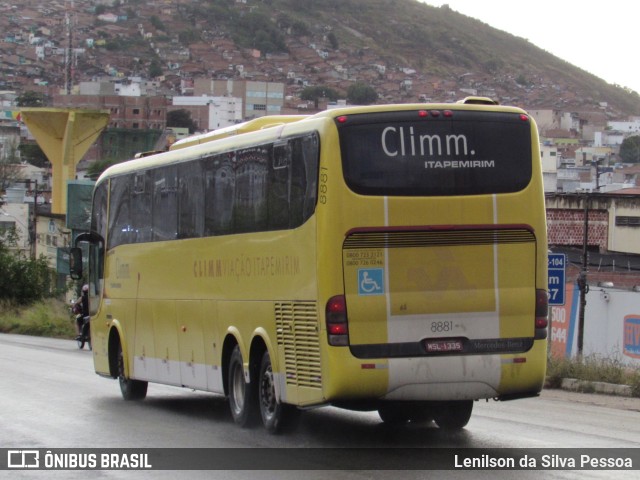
(6, 226)
(135, 125)
(136, 111)
(623, 221)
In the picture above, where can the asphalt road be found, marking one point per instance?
(51, 399)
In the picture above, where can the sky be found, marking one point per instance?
(600, 37)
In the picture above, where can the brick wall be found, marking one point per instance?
(566, 227)
(621, 280)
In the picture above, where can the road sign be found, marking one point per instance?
(557, 274)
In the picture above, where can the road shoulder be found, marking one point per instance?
(610, 401)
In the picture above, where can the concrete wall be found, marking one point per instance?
(611, 325)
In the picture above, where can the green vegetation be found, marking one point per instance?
(256, 30)
(22, 280)
(27, 303)
(361, 94)
(181, 118)
(315, 93)
(630, 149)
(593, 368)
(155, 68)
(32, 99)
(48, 318)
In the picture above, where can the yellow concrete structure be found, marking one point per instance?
(64, 135)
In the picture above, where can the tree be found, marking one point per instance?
(22, 280)
(630, 149)
(32, 153)
(31, 99)
(157, 23)
(155, 68)
(333, 40)
(96, 168)
(181, 118)
(361, 94)
(314, 94)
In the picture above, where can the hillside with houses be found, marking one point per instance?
(407, 51)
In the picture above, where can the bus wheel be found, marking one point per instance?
(394, 413)
(241, 394)
(131, 389)
(275, 415)
(453, 415)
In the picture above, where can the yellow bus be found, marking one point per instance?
(388, 257)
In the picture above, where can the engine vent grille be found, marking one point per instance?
(297, 332)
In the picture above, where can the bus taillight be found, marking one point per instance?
(336, 317)
(542, 309)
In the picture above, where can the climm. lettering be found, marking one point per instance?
(432, 145)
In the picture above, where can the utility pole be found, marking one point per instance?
(68, 57)
(34, 238)
(582, 278)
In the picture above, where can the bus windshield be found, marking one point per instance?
(444, 154)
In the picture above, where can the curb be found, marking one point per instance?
(586, 386)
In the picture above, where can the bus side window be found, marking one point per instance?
(304, 182)
(279, 185)
(219, 194)
(99, 210)
(120, 227)
(165, 203)
(191, 214)
(141, 207)
(251, 184)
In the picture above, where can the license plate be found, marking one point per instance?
(439, 346)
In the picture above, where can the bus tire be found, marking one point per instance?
(242, 395)
(394, 413)
(276, 416)
(131, 389)
(453, 415)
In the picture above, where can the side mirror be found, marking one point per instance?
(75, 263)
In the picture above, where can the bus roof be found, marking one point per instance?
(245, 127)
(268, 126)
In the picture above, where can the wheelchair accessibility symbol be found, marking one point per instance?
(371, 281)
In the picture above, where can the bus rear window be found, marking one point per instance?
(462, 153)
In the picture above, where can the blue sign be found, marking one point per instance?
(557, 274)
(371, 281)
